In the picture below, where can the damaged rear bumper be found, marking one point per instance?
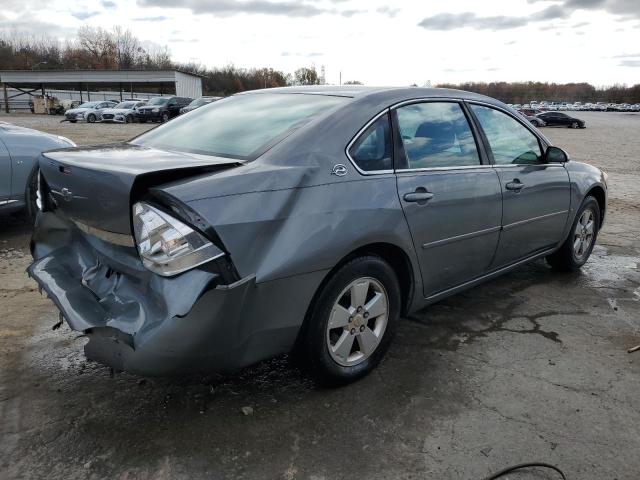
(143, 323)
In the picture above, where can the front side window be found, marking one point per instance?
(436, 135)
(242, 126)
(509, 140)
(372, 150)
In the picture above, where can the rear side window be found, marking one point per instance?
(509, 140)
(242, 126)
(372, 150)
(436, 135)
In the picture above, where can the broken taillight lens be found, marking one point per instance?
(166, 245)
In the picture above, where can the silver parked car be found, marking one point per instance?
(90, 112)
(20, 149)
(306, 219)
(124, 112)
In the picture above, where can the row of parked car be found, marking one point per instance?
(157, 109)
(578, 106)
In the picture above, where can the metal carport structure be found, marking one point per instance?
(30, 81)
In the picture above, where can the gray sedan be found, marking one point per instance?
(300, 219)
(19, 151)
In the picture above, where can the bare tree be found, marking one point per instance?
(127, 48)
(306, 76)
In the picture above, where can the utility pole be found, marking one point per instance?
(340, 78)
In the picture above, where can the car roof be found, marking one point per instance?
(392, 93)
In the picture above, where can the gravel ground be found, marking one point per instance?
(81, 133)
(531, 366)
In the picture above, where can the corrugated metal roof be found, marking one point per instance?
(90, 76)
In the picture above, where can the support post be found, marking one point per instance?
(88, 94)
(120, 86)
(80, 90)
(44, 96)
(6, 99)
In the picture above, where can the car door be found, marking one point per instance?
(535, 194)
(6, 168)
(172, 107)
(449, 193)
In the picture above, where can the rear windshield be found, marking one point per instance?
(242, 126)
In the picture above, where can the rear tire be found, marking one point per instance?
(577, 248)
(31, 196)
(351, 322)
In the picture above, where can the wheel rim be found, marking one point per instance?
(583, 234)
(575, 125)
(357, 321)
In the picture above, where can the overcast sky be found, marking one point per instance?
(597, 41)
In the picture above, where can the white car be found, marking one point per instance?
(89, 112)
(124, 112)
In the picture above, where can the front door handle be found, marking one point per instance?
(420, 196)
(515, 186)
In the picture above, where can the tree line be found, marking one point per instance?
(118, 49)
(525, 92)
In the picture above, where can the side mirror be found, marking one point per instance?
(555, 155)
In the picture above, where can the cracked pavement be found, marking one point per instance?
(529, 367)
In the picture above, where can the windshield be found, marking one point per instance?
(126, 105)
(158, 101)
(198, 102)
(88, 105)
(242, 127)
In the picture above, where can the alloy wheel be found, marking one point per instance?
(583, 234)
(357, 321)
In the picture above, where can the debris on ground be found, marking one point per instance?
(247, 410)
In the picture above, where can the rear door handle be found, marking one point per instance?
(420, 197)
(515, 186)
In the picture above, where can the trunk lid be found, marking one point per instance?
(95, 185)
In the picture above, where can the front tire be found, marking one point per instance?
(577, 248)
(352, 321)
(165, 118)
(91, 118)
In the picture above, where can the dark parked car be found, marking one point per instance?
(161, 109)
(20, 149)
(559, 119)
(306, 219)
(534, 120)
(198, 102)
